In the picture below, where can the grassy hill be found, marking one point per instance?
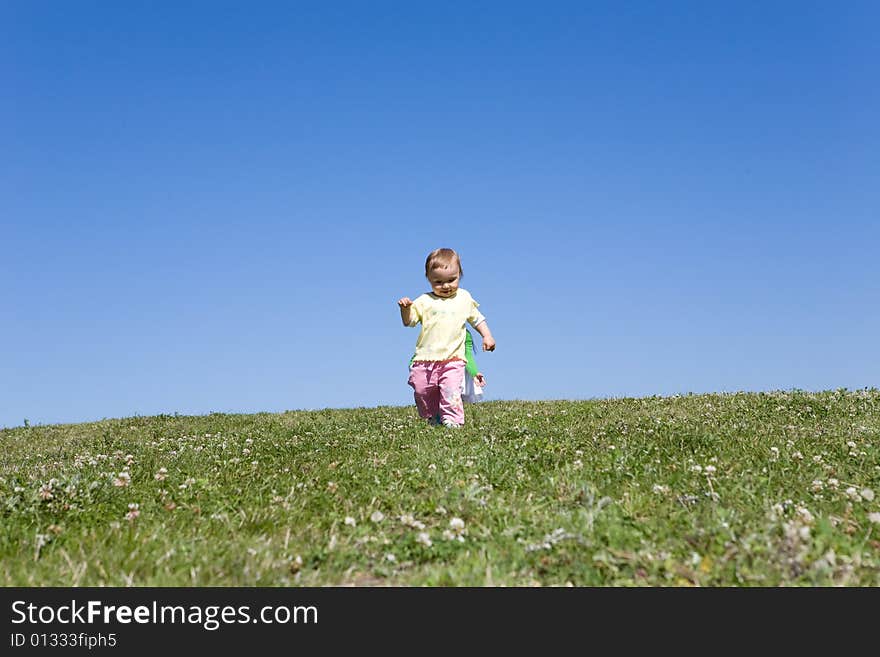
(746, 489)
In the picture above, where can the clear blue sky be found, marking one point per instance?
(214, 206)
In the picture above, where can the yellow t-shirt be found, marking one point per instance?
(443, 318)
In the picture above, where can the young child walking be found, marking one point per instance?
(438, 366)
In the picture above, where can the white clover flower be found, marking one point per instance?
(133, 511)
(797, 456)
(424, 539)
(432, 467)
(874, 517)
(833, 483)
(660, 489)
(457, 525)
(161, 475)
(122, 480)
(377, 516)
(851, 443)
(831, 558)
(452, 536)
(852, 493)
(710, 469)
(696, 468)
(817, 485)
(351, 522)
(409, 520)
(805, 515)
(390, 557)
(867, 494)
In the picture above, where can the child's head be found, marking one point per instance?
(443, 271)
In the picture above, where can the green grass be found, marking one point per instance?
(746, 489)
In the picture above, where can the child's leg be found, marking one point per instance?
(451, 379)
(426, 391)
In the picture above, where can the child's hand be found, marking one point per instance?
(488, 344)
(480, 380)
(406, 312)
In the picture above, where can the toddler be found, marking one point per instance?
(438, 366)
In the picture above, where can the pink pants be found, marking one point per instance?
(437, 389)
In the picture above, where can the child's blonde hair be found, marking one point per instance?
(442, 257)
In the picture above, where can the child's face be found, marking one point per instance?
(444, 280)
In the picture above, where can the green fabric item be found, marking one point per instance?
(470, 365)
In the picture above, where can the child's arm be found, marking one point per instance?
(486, 334)
(405, 310)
